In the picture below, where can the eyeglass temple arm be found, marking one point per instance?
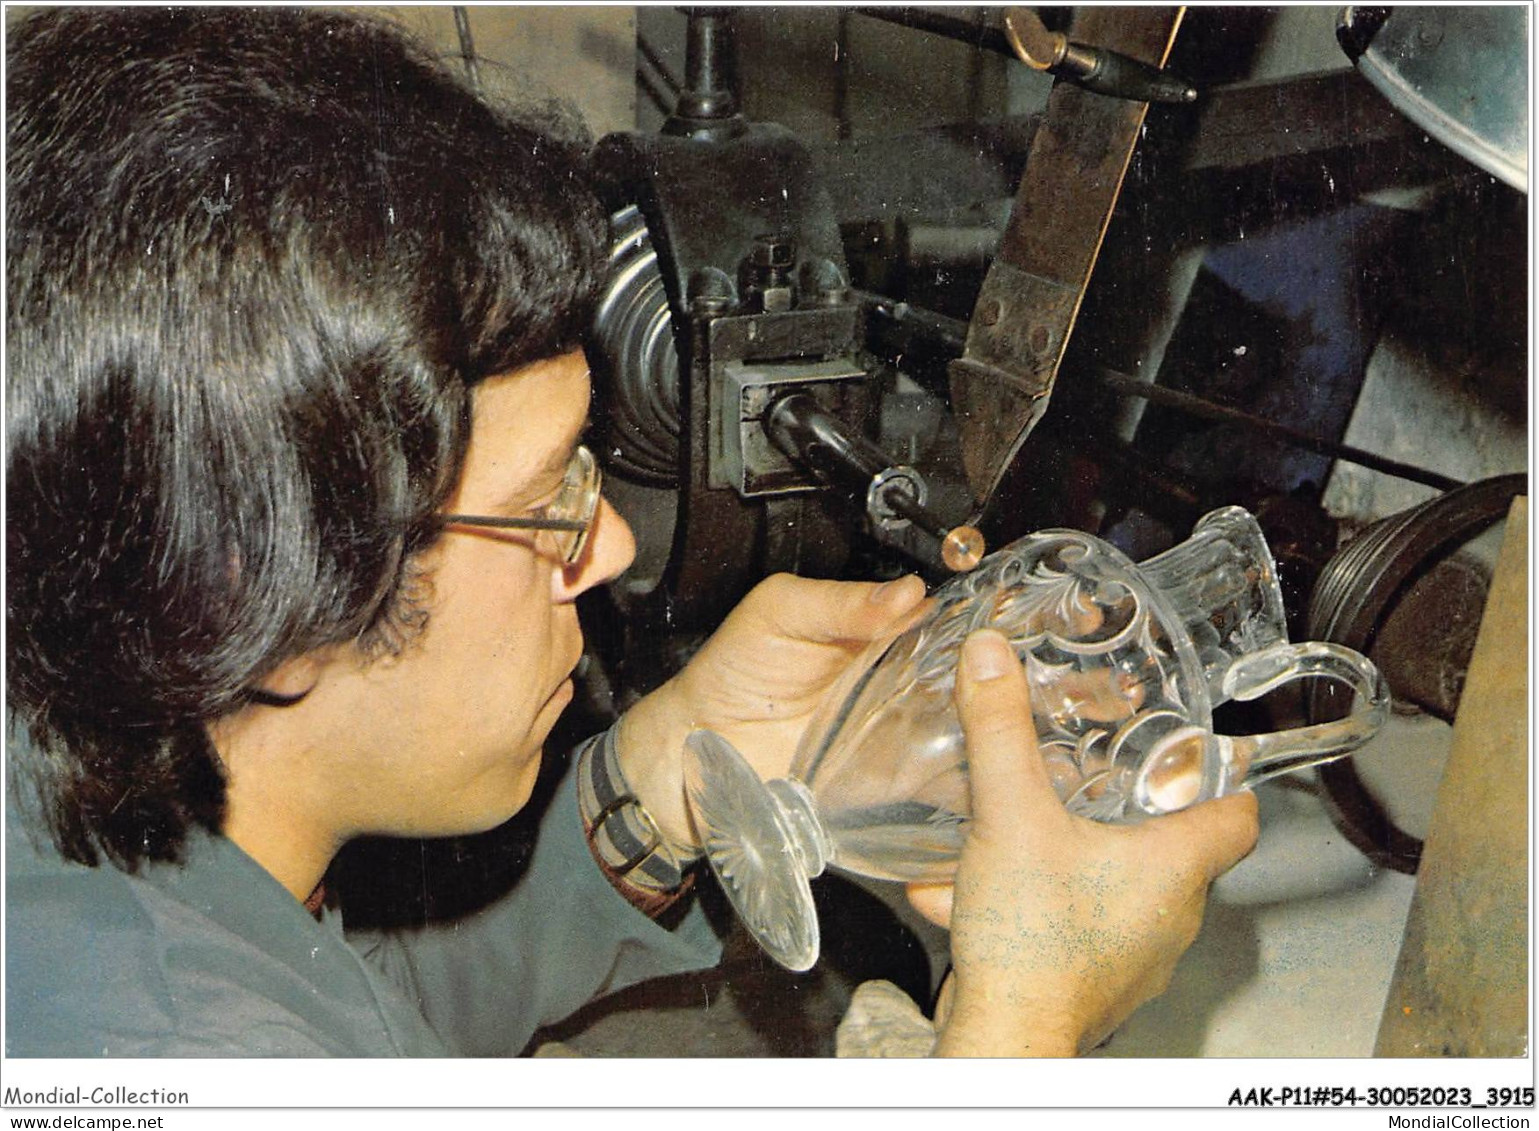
(512, 523)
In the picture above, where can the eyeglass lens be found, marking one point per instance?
(577, 501)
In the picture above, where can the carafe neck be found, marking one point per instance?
(1222, 584)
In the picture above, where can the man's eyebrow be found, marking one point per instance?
(546, 477)
(561, 458)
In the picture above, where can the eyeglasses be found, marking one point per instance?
(569, 515)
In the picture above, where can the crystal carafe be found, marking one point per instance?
(1125, 663)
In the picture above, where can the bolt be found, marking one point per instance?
(711, 292)
(777, 298)
(709, 306)
(771, 252)
(989, 311)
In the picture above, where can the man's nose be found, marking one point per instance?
(611, 548)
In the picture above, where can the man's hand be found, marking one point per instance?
(1060, 926)
(756, 682)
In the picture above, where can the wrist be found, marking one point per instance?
(649, 746)
(622, 834)
(983, 1024)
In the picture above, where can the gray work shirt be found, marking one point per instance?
(214, 957)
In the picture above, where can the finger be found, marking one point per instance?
(933, 901)
(1004, 766)
(944, 999)
(830, 612)
(1216, 834)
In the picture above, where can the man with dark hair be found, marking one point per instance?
(297, 514)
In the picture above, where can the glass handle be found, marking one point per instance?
(1260, 757)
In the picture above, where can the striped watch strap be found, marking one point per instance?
(622, 833)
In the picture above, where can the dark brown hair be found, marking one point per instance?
(256, 261)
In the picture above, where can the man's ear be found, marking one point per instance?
(290, 681)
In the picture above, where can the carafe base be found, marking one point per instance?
(756, 848)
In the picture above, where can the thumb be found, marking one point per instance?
(829, 612)
(933, 901)
(1216, 834)
(1008, 780)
